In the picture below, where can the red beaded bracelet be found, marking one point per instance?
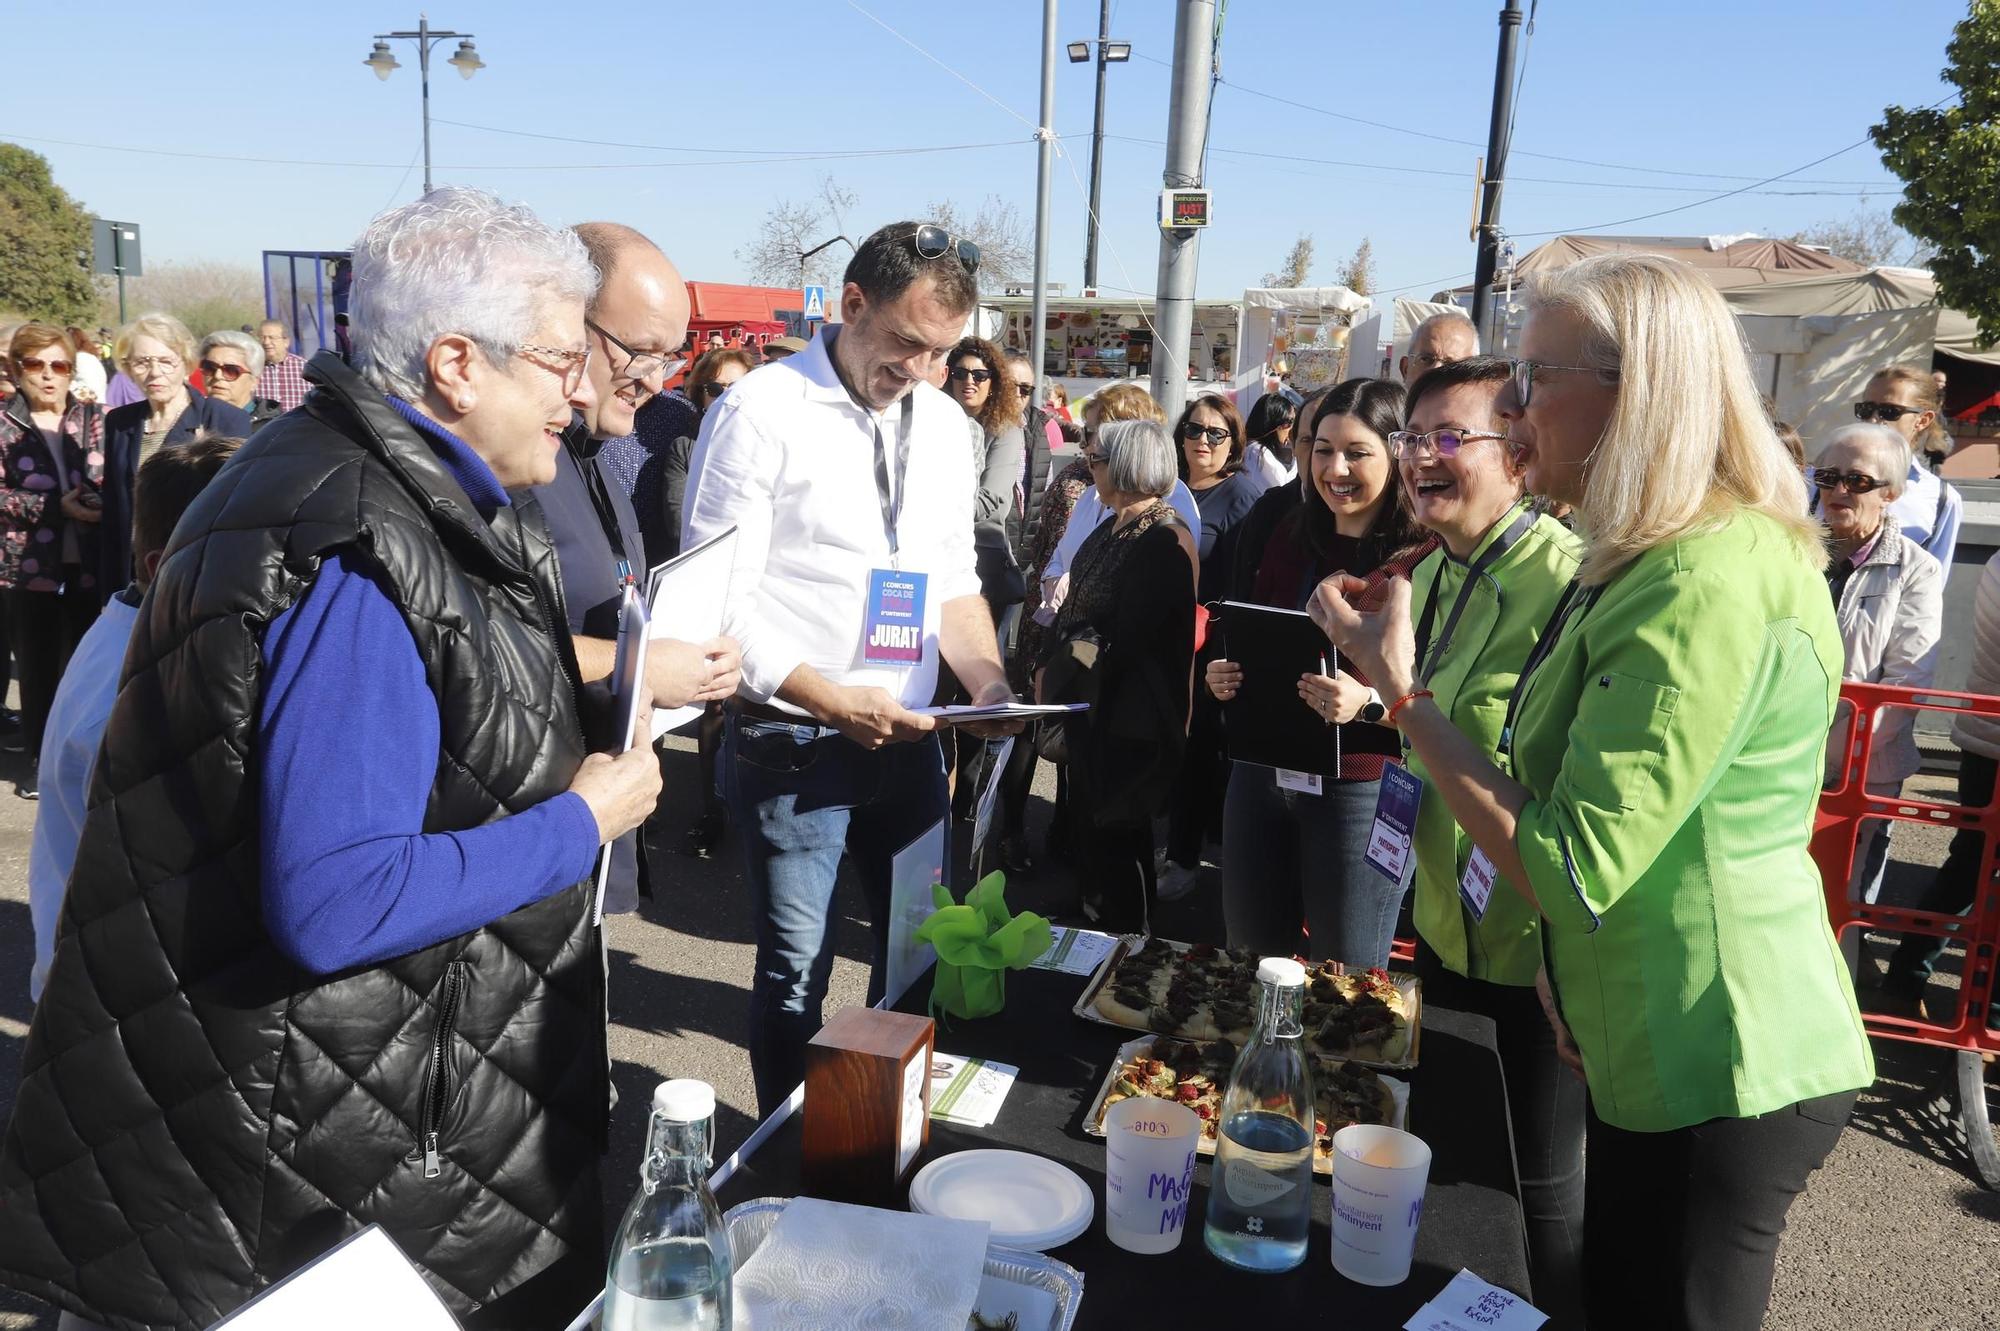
(1403, 701)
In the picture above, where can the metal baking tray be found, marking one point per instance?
(1409, 985)
(1010, 1272)
(1399, 1092)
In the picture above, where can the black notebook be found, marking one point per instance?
(1267, 723)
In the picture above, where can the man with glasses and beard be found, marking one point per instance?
(844, 473)
(637, 317)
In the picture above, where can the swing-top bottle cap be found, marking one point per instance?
(684, 1100)
(1285, 972)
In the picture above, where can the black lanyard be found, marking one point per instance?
(1576, 600)
(573, 440)
(892, 501)
(1495, 549)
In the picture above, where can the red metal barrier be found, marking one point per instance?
(1842, 812)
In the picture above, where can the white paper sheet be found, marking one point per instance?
(366, 1281)
(1471, 1304)
(995, 759)
(687, 595)
(915, 870)
(827, 1266)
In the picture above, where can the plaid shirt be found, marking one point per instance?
(284, 380)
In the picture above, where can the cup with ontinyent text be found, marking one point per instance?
(1148, 1172)
(1379, 1175)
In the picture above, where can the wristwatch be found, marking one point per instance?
(1373, 710)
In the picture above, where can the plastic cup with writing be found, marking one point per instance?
(1379, 1175)
(1148, 1172)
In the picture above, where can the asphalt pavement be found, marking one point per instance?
(1895, 1231)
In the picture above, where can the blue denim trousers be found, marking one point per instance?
(802, 797)
(1292, 860)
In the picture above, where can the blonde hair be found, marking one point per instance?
(1124, 402)
(162, 328)
(1688, 444)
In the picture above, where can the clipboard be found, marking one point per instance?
(685, 598)
(628, 694)
(1265, 723)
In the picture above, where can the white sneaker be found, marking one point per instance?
(1178, 881)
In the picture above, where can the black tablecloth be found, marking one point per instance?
(1472, 1214)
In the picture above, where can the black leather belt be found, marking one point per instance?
(758, 711)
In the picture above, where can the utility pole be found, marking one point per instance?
(1045, 144)
(1180, 248)
(1096, 150)
(1496, 174)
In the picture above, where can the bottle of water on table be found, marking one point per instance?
(1260, 1189)
(670, 1263)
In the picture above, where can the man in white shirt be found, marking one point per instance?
(844, 473)
(167, 483)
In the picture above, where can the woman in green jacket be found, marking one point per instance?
(1481, 600)
(1665, 746)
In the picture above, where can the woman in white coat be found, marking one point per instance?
(1888, 594)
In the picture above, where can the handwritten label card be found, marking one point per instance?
(1470, 1304)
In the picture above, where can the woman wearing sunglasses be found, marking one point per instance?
(1210, 436)
(230, 363)
(51, 465)
(1295, 865)
(158, 353)
(1905, 398)
(1662, 764)
(1888, 595)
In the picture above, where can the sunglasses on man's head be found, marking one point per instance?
(229, 372)
(1882, 411)
(934, 242)
(35, 365)
(961, 374)
(1855, 482)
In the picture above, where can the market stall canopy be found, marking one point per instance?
(1749, 259)
(1410, 313)
(1263, 307)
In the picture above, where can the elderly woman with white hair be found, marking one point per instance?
(328, 957)
(1658, 772)
(230, 363)
(1124, 642)
(1888, 594)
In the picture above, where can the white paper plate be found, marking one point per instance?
(1030, 1202)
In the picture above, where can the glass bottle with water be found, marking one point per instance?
(670, 1262)
(1260, 1190)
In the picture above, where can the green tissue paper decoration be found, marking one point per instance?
(977, 943)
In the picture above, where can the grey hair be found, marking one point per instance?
(1138, 457)
(1891, 449)
(457, 260)
(252, 350)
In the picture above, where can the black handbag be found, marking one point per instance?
(1071, 675)
(1001, 581)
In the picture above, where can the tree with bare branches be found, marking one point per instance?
(790, 229)
(1297, 266)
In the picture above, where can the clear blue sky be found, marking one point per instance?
(1714, 90)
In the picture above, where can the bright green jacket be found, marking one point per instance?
(1473, 680)
(1673, 743)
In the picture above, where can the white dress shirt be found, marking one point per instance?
(787, 457)
(76, 724)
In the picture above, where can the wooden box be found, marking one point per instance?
(867, 1108)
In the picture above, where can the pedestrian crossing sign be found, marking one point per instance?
(815, 303)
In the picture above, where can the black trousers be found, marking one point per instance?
(44, 628)
(1196, 810)
(1684, 1226)
(1115, 866)
(1546, 1105)
(1916, 957)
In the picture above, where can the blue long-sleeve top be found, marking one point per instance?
(347, 749)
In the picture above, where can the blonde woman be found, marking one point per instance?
(1660, 767)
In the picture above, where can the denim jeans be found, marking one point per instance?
(802, 797)
(1291, 859)
(1955, 886)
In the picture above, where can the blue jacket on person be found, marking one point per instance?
(123, 428)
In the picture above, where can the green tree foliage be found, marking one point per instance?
(1296, 267)
(1358, 274)
(44, 243)
(1949, 162)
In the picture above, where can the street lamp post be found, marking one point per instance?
(1108, 52)
(383, 61)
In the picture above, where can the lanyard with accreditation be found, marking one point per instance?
(893, 634)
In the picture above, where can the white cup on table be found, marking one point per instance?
(1149, 1149)
(1379, 1175)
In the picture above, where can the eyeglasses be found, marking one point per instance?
(639, 365)
(145, 364)
(1524, 376)
(1830, 478)
(712, 389)
(1444, 443)
(1210, 435)
(1025, 390)
(934, 242)
(215, 369)
(574, 363)
(1096, 457)
(959, 374)
(35, 365)
(1882, 411)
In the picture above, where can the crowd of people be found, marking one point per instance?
(317, 662)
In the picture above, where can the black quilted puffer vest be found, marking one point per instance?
(196, 1114)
